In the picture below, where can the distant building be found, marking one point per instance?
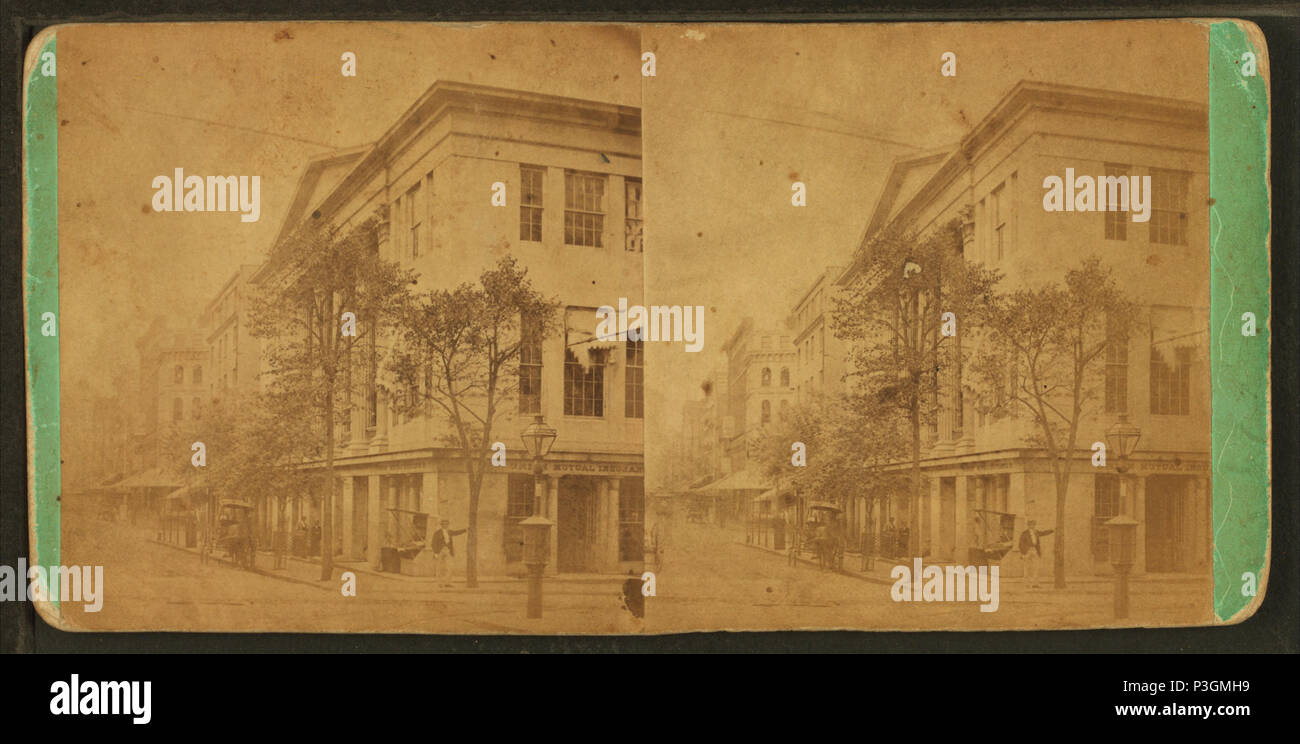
(234, 353)
(821, 358)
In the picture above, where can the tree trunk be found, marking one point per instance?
(1058, 552)
(327, 502)
(914, 530)
(471, 536)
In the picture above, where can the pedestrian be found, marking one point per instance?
(1031, 552)
(444, 550)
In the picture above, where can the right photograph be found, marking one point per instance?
(952, 358)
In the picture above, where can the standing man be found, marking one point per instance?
(444, 550)
(1031, 552)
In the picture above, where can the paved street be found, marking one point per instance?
(711, 580)
(152, 586)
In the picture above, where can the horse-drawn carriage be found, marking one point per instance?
(233, 533)
(822, 534)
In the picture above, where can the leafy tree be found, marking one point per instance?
(316, 356)
(892, 317)
(459, 352)
(1045, 347)
(850, 442)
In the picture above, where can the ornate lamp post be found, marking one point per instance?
(1122, 439)
(538, 438)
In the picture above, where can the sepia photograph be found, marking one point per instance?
(957, 280)
(329, 359)
(374, 328)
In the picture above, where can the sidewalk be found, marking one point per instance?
(307, 571)
(881, 568)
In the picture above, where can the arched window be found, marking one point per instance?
(198, 375)
(784, 409)
(767, 411)
(179, 374)
(785, 378)
(196, 413)
(178, 409)
(767, 377)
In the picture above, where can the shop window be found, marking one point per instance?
(631, 520)
(1105, 505)
(519, 506)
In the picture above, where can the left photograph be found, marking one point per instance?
(327, 356)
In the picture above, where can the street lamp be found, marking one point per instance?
(538, 438)
(1122, 438)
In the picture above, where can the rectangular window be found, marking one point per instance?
(584, 208)
(631, 519)
(584, 385)
(414, 218)
(1168, 197)
(1116, 372)
(530, 365)
(530, 202)
(632, 215)
(519, 506)
(999, 221)
(1105, 505)
(1114, 194)
(1171, 379)
(634, 384)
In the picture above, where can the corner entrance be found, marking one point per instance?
(1172, 537)
(575, 525)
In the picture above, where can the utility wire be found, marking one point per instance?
(235, 126)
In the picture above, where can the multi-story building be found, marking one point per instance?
(234, 353)
(820, 357)
(984, 481)
(570, 172)
(760, 386)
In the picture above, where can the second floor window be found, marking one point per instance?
(767, 412)
(178, 409)
(634, 386)
(530, 202)
(584, 385)
(1116, 373)
(785, 377)
(1171, 377)
(178, 375)
(766, 377)
(584, 208)
(530, 366)
(195, 412)
(198, 375)
(632, 212)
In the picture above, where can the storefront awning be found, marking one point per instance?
(580, 333)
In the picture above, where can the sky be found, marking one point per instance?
(736, 114)
(733, 116)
